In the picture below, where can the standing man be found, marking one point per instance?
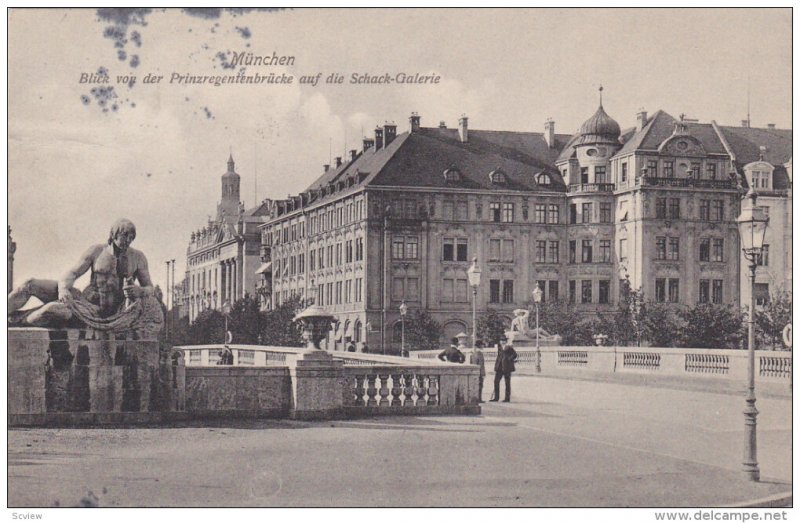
(476, 358)
(452, 354)
(503, 367)
(351, 347)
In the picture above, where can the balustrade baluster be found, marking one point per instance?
(384, 390)
(372, 391)
(359, 391)
(408, 390)
(433, 390)
(422, 390)
(396, 390)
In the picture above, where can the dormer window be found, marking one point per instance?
(543, 179)
(452, 174)
(497, 177)
(759, 175)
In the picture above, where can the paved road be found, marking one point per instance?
(560, 443)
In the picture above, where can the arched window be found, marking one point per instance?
(543, 179)
(497, 177)
(357, 331)
(452, 174)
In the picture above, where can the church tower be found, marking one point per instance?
(229, 203)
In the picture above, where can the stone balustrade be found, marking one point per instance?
(771, 366)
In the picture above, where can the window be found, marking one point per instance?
(705, 249)
(661, 207)
(605, 251)
(321, 294)
(669, 169)
(553, 253)
(763, 259)
(761, 294)
(586, 213)
(661, 290)
(573, 213)
(339, 253)
(330, 255)
(494, 291)
(541, 251)
(447, 210)
(716, 291)
(398, 248)
(572, 248)
(454, 249)
(409, 209)
(603, 291)
(359, 249)
(525, 212)
(462, 210)
(508, 213)
(674, 208)
(359, 284)
(711, 171)
(674, 249)
(508, 250)
(552, 214)
(494, 250)
(600, 174)
(586, 291)
(508, 291)
(543, 179)
(348, 251)
(411, 247)
(661, 248)
(694, 172)
(605, 212)
(673, 290)
(572, 291)
(539, 213)
(348, 289)
(623, 249)
(586, 251)
(584, 175)
(705, 210)
(553, 290)
(717, 249)
(494, 211)
(652, 168)
(330, 294)
(718, 210)
(624, 176)
(461, 290)
(447, 290)
(705, 294)
(312, 260)
(412, 289)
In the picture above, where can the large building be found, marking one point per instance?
(401, 220)
(223, 256)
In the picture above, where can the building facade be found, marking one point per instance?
(223, 256)
(401, 220)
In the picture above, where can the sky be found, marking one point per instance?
(154, 152)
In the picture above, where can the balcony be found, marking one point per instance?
(648, 181)
(590, 188)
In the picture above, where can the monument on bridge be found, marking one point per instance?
(522, 335)
(91, 355)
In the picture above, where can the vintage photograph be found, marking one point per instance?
(394, 258)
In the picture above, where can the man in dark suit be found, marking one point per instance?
(452, 354)
(503, 367)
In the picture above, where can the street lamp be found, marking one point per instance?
(226, 310)
(474, 276)
(403, 311)
(537, 299)
(752, 224)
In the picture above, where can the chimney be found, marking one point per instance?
(745, 123)
(770, 126)
(442, 125)
(338, 161)
(353, 154)
(378, 138)
(325, 168)
(463, 132)
(413, 122)
(550, 133)
(389, 132)
(641, 119)
(368, 143)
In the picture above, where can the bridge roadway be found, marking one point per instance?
(561, 442)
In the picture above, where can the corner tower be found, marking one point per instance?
(229, 203)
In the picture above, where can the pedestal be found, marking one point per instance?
(317, 386)
(83, 376)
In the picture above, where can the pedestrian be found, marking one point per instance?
(503, 367)
(452, 354)
(476, 358)
(351, 347)
(364, 347)
(225, 357)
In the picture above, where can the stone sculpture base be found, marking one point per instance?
(74, 376)
(528, 339)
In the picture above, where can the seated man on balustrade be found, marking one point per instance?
(114, 267)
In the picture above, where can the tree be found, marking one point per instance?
(278, 327)
(712, 326)
(558, 317)
(660, 325)
(490, 327)
(245, 321)
(208, 328)
(422, 331)
(628, 324)
(772, 318)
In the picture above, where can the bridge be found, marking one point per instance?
(565, 441)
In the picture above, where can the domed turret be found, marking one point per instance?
(600, 128)
(230, 191)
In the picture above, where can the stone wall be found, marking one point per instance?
(255, 392)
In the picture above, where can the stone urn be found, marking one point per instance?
(316, 325)
(600, 339)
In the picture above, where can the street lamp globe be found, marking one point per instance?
(403, 309)
(752, 223)
(226, 307)
(474, 274)
(537, 294)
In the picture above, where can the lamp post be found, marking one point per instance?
(474, 276)
(752, 224)
(537, 298)
(226, 310)
(403, 311)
